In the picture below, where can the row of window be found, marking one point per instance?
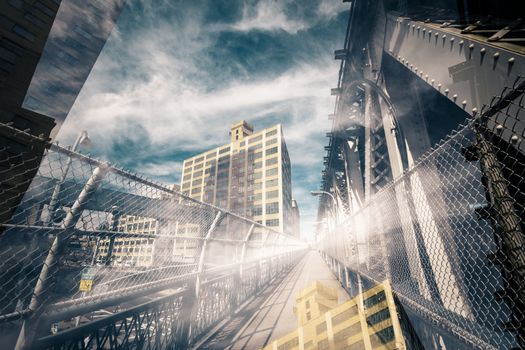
(128, 242)
(271, 208)
(198, 161)
(374, 299)
(254, 176)
(225, 165)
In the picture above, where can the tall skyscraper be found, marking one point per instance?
(47, 50)
(24, 29)
(79, 33)
(250, 176)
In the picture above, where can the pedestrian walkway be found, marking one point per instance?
(270, 315)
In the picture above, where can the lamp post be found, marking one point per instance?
(82, 140)
(335, 211)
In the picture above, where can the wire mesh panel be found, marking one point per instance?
(89, 240)
(449, 233)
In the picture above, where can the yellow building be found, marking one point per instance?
(134, 251)
(368, 321)
(131, 251)
(250, 176)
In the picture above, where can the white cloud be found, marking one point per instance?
(192, 118)
(267, 15)
(329, 9)
(178, 112)
(270, 15)
(164, 169)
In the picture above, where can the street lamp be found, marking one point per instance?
(320, 193)
(82, 140)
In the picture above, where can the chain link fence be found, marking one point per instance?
(90, 240)
(449, 233)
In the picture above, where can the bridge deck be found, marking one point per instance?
(270, 315)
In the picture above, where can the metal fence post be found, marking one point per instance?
(511, 236)
(200, 270)
(188, 304)
(115, 216)
(200, 266)
(29, 326)
(243, 251)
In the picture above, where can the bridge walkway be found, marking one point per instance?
(270, 315)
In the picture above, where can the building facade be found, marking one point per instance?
(250, 176)
(47, 50)
(138, 249)
(22, 42)
(131, 251)
(368, 321)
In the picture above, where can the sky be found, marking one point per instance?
(174, 75)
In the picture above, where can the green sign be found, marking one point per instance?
(88, 273)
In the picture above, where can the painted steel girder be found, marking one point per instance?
(467, 69)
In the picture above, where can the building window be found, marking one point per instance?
(378, 317)
(272, 194)
(8, 56)
(16, 3)
(24, 33)
(320, 328)
(345, 315)
(375, 299)
(257, 210)
(272, 222)
(271, 133)
(271, 141)
(33, 19)
(224, 150)
(196, 190)
(272, 183)
(272, 208)
(186, 177)
(256, 139)
(272, 150)
(382, 337)
(271, 172)
(290, 344)
(271, 161)
(42, 7)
